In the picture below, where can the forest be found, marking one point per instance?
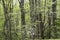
(29, 19)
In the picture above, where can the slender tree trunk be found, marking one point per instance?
(21, 2)
(41, 24)
(37, 31)
(32, 15)
(10, 19)
(7, 23)
(49, 23)
(54, 16)
(5, 11)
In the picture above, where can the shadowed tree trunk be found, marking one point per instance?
(37, 31)
(54, 17)
(41, 23)
(32, 17)
(49, 23)
(7, 23)
(21, 5)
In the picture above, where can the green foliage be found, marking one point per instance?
(17, 31)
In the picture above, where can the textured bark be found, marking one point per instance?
(37, 31)
(32, 15)
(7, 23)
(41, 23)
(49, 23)
(22, 12)
(54, 17)
(21, 3)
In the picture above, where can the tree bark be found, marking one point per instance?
(23, 23)
(49, 23)
(32, 17)
(54, 17)
(7, 23)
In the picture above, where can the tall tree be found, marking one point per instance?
(32, 17)
(54, 16)
(21, 5)
(41, 23)
(49, 23)
(44, 16)
(37, 31)
(7, 5)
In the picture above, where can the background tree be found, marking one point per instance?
(21, 5)
(8, 9)
(32, 17)
(54, 17)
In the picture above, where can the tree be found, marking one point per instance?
(37, 26)
(21, 5)
(32, 17)
(49, 23)
(8, 8)
(41, 23)
(54, 17)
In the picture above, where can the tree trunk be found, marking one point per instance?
(49, 23)
(32, 15)
(21, 3)
(54, 17)
(7, 23)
